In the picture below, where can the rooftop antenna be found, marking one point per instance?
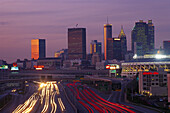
(76, 25)
(121, 26)
(107, 20)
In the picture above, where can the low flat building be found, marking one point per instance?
(101, 65)
(145, 63)
(2, 62)
(95, 58)
(50, 63)
(76, 64)
(30, 64)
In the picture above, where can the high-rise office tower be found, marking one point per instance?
(151, 38)
(107, 35)
(109, 49)
(117, 49)
(166, 46)
(38, 48)
(143, 34)
(123, 40)
(95, 47)
(76, 43)
(138, 48)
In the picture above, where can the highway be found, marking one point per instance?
(18, 99)
(50, 97)
(47, 99)
(94, 103)
(118, 97)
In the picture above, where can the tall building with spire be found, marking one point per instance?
(142, 37)
(107, 39)
(123, 40)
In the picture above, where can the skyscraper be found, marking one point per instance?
(117, 49)
(38, 48)
(107, 34)
(95, 47)
(123, 40)
(138, 48)
(76, 43)
(109, 49)
(143, 34)
(151, 39)
(166, 46)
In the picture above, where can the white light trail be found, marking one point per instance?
(61, 104)
(46, 90)
(56, 88)
(46, 99)
(54, 105)
(23, 107)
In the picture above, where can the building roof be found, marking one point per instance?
(49, 58)
(122, 34)
(148, 61)
(76, 28)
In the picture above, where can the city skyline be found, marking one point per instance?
(50, 20)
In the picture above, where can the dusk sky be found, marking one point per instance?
(23, 20)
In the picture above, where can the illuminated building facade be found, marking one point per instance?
(143, 33)
(117, 49)
(76, 43)
(153, 83)
(63, 54)
(166, 46)
(122, 37)
(107, 34)
(95, 47)
(114, 48)
(131, 68)
(38, 48)
(151, 37)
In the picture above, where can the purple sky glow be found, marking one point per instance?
(23, 20)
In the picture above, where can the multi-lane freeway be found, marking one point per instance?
(43, 100)
(94, 103)
(51, 97)
(47, 99)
